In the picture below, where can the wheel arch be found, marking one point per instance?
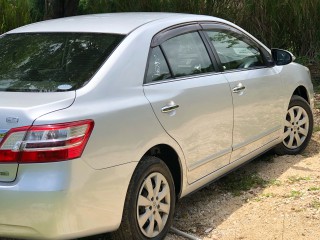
(171, 158)
(302, 92)
(282, 148)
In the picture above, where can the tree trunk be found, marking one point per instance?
(60, 8)
(70, 7)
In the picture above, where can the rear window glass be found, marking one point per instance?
(52, 62)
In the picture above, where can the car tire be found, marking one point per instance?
(150, 202)
(298, 127)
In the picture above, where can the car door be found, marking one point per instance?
(191, 99)
(257, 89)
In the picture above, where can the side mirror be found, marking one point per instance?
(282, 57)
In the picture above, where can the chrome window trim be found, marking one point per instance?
(202, 75)
(183, 78)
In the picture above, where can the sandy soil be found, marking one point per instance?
(283, 204)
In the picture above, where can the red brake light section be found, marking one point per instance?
(46, 143)
(7, 156)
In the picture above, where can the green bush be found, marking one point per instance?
(13, 13)
(289, 24)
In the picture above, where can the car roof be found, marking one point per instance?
(118, 23)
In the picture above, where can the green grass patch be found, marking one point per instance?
(314, 189)
(274, 182)
(237, 182)
(268, 195)
(264, 196)
(294, 194)
(316, 128)
(295, 178)
(315, 204)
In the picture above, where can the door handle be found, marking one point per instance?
(238, 88)
(169, 108)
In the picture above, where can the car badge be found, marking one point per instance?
(12, 120)
(5, 173)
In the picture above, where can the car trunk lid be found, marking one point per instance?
(19, 109)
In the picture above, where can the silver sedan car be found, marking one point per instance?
(106, 120)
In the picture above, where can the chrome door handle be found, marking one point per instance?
(169, 108)
(238, 88)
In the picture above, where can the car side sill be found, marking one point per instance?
(203, 182)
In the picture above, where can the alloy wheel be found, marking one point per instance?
(296, 127)
(153, 205)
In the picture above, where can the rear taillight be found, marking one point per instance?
(45, 143)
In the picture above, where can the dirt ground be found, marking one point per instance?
(273, 197)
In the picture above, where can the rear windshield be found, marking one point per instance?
(52, 62)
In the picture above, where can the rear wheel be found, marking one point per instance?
(298, 127)
(150, 202)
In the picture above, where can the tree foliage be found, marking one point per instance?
(13, 13)
(290, 24)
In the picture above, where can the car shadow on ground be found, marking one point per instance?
(212, 205)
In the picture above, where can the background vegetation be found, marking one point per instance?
(13, 13)
(289, 24)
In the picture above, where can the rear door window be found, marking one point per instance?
(157, 68)
(187, 55)
(51, 62)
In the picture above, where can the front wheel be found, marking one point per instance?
(298, 127)
(150, 202)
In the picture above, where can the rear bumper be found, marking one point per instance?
(63, 200)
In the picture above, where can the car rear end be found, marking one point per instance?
(61, 200)
(46, 189)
